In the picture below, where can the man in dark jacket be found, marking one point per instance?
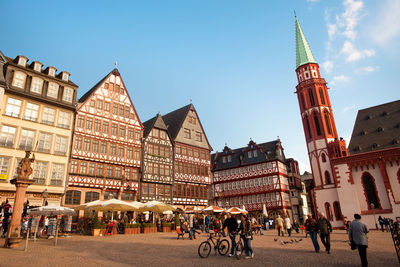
(311, 228)
(232, 226)
(324, 227)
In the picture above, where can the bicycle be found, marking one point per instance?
(221, 245)
(239, 248)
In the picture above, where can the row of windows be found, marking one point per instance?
(158, 133)
(41, 171)
(32, 112)
(253, 199)
(73, 197)
(117, 109)
(191, 169)
(190, 191)
(186, 151)
(158, 169)
(159, 150)
(38, 85)
(103, 126)
(103, 170)
(27, 140)
(103, 147)
(247, 183)
(246, 169)
(155, 190)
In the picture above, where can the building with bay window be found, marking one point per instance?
(37, 111)
(252, 176)
(106, 148)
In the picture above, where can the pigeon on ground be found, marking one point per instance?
(275, 239)
(300, 239)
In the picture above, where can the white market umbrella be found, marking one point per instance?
(235, 210)
(157, 207)
(213, 209)
(113, 205)
(50, 210)
(92, 203)
(168, 212)
(194, 209)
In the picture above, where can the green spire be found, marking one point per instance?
(303, 51)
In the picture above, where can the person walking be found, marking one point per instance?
(296, 226)
(380, 220)
(246, 235)
(279, 224)
(358, 234)
(288, 226)
(207, 222)
(325, 228)
(311, 228)
(231, 224)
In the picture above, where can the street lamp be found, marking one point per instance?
(45, 195)
(373, 208)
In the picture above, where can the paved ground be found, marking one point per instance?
(162, 249)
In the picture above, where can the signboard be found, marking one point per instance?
(3, 176)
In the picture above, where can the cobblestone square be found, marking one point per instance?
(163, 249)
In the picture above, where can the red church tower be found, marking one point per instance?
(319, 125)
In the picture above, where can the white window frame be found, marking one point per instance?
(48, 117)
(37, 85)
(7, 135)
(31, 112)
(19, 79)
(52, 90)
(26, 139)
(61, 145)
(40, 172)
(57, 174)
(4, 167)
(68, 94)
(44, 142)
(13, 108)
(64, 119)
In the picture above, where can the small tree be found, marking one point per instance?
(95, 222)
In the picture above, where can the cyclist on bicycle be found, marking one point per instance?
(232, 226)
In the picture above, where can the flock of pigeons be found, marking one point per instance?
(289, 242)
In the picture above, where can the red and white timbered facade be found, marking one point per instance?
(250, 177)
(106, 149)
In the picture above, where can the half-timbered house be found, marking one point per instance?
(192, 163)
(252, 176)
(106, 149)
(157, 166)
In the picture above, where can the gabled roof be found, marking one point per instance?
(91, 91)
(239, 157)
(174, 121)
(155, 122)
(303, 51)
(376, 128)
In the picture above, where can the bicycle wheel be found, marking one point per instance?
(204, 249)
(239, 250)
(223, 247)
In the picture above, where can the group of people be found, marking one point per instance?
(5, 215)
(285, 225)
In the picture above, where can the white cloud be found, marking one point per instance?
(339, 79)
(366, 70)
(332, 30)
(387, 23)
(328, 66)
(345, 109)
(353, 54)
(312, 1)
(304, 167)
(350, 17)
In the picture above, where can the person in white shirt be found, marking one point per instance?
(288, 225)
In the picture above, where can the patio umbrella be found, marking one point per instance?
(235, 210)
(113, 205)
(50, 210)
(157, 207)
(213, 209)
(92, 203)
(194, 209)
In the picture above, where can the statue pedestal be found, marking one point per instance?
(13, 234)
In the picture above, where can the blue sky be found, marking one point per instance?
(234, 59)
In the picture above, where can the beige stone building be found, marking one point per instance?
(36, 113)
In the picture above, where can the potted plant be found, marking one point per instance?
(150, 228)
(103, 229)
(95, 226)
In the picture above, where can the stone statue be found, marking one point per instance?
(24, 167)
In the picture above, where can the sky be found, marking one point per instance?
(234, 59)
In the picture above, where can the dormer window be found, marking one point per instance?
(22, 60)
(37, 67)
(36, 86)
(65, 76)
(52, 71)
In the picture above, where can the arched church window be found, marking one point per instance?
(321, 95)
(370, 190)
(328, 210)
(328, 178)
(303, 103)
(323, 157)
(327, 122)
(308, 127)
(337, 210)
(316, 121)
(310, 93)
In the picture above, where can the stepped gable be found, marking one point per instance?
(376, 128)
